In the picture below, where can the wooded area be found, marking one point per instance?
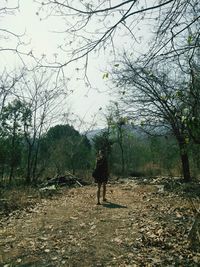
(151, 132)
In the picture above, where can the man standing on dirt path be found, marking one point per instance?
(101, 174)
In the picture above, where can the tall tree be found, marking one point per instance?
(14, 116)
(46, 100)
(192, 104)
(116, 123)
(151, 97)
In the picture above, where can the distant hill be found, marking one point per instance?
(91, 134)
(135, 130)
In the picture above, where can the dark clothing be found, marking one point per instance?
(100, 173)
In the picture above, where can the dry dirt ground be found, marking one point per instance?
(140, 225)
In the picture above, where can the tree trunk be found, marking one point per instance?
(30, 156)
(72, 166)
(185, 167)
(28, 175)
(34, 177)
(122, 158)
(185, 163)
(120, 140)
(2, 171)
(12, 150)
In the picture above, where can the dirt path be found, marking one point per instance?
(138, 227)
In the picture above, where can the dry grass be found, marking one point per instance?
(17, 198)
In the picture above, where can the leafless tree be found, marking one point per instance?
(8, 83)
(94, 25)
(153, 99)
(193, 104)
(45, 99)
(116, 123)
(14, 43)
(10, 41)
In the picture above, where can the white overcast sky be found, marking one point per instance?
(43, 41)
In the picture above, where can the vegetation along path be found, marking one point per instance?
(140, 225)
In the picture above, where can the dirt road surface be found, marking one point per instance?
(138, 226)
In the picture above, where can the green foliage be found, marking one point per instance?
(63, 148)
(190, 39)
(15, 117)
(103, 142)
(146, 155)
(105, 75)
(59, 131)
